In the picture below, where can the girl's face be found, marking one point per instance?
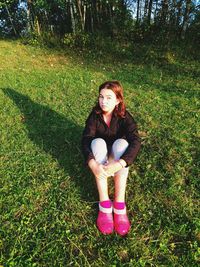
(107, 100)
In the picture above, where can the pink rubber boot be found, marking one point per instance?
(105, 218)
(121, 221)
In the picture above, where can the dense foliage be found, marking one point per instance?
(137, 19)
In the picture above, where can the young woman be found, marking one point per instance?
(110, 143)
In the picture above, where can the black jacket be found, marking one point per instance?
(126, 128)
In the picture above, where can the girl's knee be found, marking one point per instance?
(119, 147)
(121, 143)
(99, 150)
(98, 143)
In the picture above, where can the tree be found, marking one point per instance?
(7, 11)
(186, 18)
(110, 17)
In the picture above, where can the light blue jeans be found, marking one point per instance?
(100, 152)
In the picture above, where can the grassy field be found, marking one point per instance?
(48, 200)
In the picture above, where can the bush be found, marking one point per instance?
(77, 40)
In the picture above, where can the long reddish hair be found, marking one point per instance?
(117, 88)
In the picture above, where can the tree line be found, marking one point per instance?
(169, 18)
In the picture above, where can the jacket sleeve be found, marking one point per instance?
(133, 139)
(87, 137)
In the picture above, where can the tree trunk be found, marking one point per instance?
(97, 15)
(138, 12)
(11, 20)
(48, 24)
(156, 11)
(145, 9)
(30, 24)
(37, 26)
(164, 11)
(111, 18)
(92, 14)
(81, 14)
(179, 13)
(173, 11)
(149, 12)
(72, 16)
(84, 16)
(186, 18)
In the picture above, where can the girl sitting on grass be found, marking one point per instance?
(110, 143)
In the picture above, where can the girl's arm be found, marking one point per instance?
(132, 136)
(115, 166)
(87, 137)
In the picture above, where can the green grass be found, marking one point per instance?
(48, 200)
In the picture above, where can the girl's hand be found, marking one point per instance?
(98, 169)
(112, 167)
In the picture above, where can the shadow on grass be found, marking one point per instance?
(57, 136)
